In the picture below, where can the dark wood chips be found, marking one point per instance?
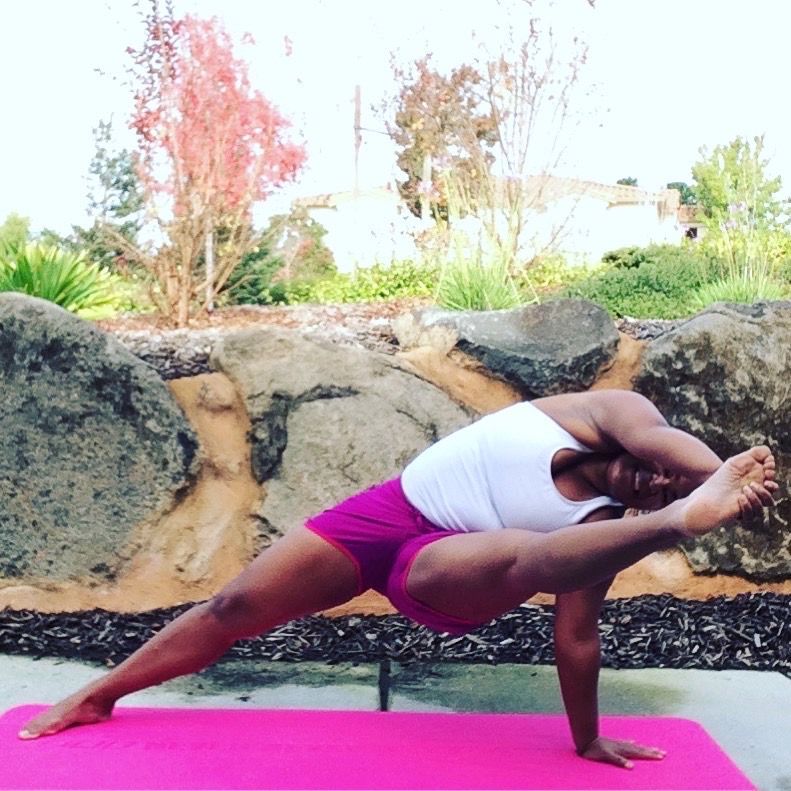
(751, 631)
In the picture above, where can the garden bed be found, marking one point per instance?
(748, 632)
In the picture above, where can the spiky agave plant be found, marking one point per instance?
(65, 278)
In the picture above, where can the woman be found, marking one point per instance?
(529, 499)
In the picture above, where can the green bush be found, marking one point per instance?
(62, 277)
(399, 280)
(625, 257)
(653, 289)
(632, 257)
(549, 274)
(250, 283)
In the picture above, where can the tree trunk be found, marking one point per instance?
(210, 271)
(425, 198)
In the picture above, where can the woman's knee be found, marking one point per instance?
(237, 613)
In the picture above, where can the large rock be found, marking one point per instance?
(327, 420)
(92, 444)
(542, 350)
(724, 376)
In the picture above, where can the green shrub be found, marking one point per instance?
(624, 257)
(653, 289)
(399, 280)
(250, 283)
(62, 277)
(549, 274)
(632, 257)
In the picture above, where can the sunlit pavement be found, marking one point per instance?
(747, 712)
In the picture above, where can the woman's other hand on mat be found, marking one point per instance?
(75, 710)
(612, 751)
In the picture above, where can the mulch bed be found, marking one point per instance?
(747, 632)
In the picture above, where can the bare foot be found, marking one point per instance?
(66, 714)
(740, 489)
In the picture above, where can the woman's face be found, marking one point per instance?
(640, 485)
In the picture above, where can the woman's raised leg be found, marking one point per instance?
(478, 576)
(299, 574)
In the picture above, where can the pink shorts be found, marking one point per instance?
(381, 532)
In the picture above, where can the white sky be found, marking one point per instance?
(672, 75)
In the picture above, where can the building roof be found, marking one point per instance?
(540, 190)
(543, 189)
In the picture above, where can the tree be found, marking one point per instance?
(511, 112)
(209, 147)
(686, 193)
(298, 241)
(744, 219)
(439, 123)
(629, 181)
(15, 230)
(116, 203)
(735, 174)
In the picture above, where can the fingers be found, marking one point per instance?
(619, 760)
(32, 730)
(642, 752)
(622, 753)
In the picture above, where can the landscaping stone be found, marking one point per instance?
(327, 420)
(556, 347)
(724, 376)
(92, 445)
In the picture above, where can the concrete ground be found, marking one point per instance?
(746, 712)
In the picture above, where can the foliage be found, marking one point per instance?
(549, 274)
(736, 173)
(739, 288)
(60, 276)
(399, 280)
(209, 147)
(477, 284)
(250, 281)
(632, 257)
(15, 230)
(511, 113)
(115, 201)
(658, 287)
(628, 181)
(289, 259)
(745, 228)
(441, 121)
(298, 240)
(686, 193)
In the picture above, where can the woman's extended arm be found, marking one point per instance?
(578, 658)
(635, 424)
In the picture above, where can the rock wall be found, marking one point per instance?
(118, 491)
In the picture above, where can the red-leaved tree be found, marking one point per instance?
(209, 147)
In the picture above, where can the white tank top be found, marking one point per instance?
(497, 473)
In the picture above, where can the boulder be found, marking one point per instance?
(92, 445)
(555, 347)
(724, 376)
(327, 420)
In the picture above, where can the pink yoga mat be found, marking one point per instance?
(288, 749)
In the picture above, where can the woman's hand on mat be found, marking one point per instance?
(612, 751)
(75, 710)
